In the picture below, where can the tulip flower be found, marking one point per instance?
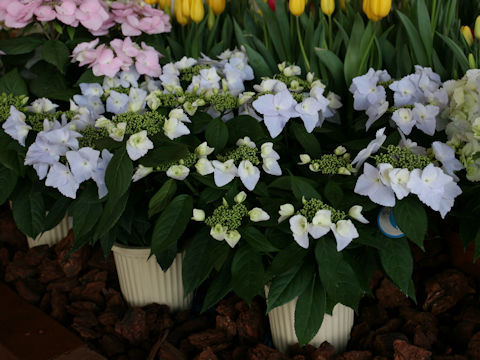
(342, 5)
(471, 61)
(380, 8)
(367, 11)
(296, 7)
(177, 8)
(477, 27)
(467, 34)
(197, 11)
(164, 4)
(328, 6)
(218, 6)
(186, 7)
(271, 4)
(151, 2)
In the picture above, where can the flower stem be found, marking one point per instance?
(189, 185)
(302, 49)
(330, 40)
(434, 16)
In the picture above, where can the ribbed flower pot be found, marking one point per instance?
(143, 282)
(335, 328)
(53, 236)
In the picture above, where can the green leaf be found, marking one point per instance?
(424, 27)
(302, 188)
(29, 211)
(164, 153)
(257, 240)
(287, 258)
(397, 262)
(333, 64)
(416, 44)
(476, 254)
(458, 53)
(273, 29)
(118, 175)
(13, 83)
(308, 141)
(411, 218)
(353, 55)
(160, 200)
(217, 134)
(57, 212)
(172, 223)
(20, 45)
(88, 77)
(85, 211)
(333, 193)
(52, 85)
(219, 287)
(8, 181)
(337, 275)
(287, 286)
(309, 312)
(247, 273)
(199, 122)
(245, 125)
(56, 53)
(257, 62)
(166, 257)
(71, 32)
(200, 258)
(112, 212)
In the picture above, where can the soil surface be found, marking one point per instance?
(81, 291)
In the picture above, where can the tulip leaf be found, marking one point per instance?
(457, 52)
(333, 64)
(416, 44)
(425, 28)
(258, 62)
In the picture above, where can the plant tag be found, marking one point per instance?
(386, 223)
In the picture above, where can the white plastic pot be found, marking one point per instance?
(335, 328)
(53, 236)
(142, 280)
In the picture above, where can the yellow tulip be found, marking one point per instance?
(367, 11)
(467, 34)
(197, 11)
(471, 61)
(328, 7)
(380, 8)
(297, 7)
(151, 2)
(342, 5)
(164, 4)
(218, 6)
(477, 28)
(177, 8)
(186, 7)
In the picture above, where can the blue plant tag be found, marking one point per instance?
(386, 223)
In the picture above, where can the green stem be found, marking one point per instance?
(265, 34)
(302, 49)
(434, 17)
(330, 41)
(189, 185)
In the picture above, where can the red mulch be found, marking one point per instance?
(82, 293)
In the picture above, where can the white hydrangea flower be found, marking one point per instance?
(355, 212)
(271, 166)
(257, 214)
(398, 182)
(270, 85)
(286, 210)
(198, 215)
(141, 172)
(446, 155)
(15, 126)
(267, 152)
(370, 184)
(137, 99)
(249, 174)
(403, 117)
(204, 166)
(129, 78)
(174, 128)
(371, 148)
(42, 105)
(224, 172)
(308, 111)
(299, 227)
(344, 232)
(321, 224)
(138, 145)
(61, 178)
(240, 197)
(178, 172)
(117, 103)
(83, 162)
(94, 104)
(218, 232)
(203, 150)
(92, 89)
(99, 172)
(185, 63)
(246, 141)
(305, 159)
(232, 237)
(117, 132)
(425, 117)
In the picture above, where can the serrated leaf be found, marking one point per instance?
(336, 274)
(287, 286)
(411, 218)
(20, 45)
(302, 188)
(309, 312)
(247, 273)
(172, 223)
(159, 201)
(13, 83)
(397, 261)
(200, 258)
(56, 53)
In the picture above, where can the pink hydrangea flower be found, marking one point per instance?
(45, 13)
(66, 12)
(125, 50)
(20, 13)
(147, 62)
(92, 14)
(84, 52)
(106, 63)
